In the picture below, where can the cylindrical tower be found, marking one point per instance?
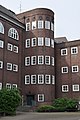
(38, 72)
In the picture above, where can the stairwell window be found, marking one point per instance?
(1, 28)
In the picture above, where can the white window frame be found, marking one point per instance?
(52, 43)
(47, 79)
(33, 25)
(65, 90)
(27, 61)
(40, 24)
(33, 39)
(52, 26)
(76, 66)
(1, 64)
(10, 47)
(53, 79)
(47, 25)
(27, 81)
(75, 87)
(33, 81)
(1, 28)
(1, 44)
(40, 97)
(62, 53)
(40, 79)
(40, 60)
(52, 61)
(0, 86)
(15, 67)
(74, 50)
(13, 33)
(14, 85)
(47, 41)
(27, 43)
(40, 41)
(15, 49)
(8, 85)
(9, 66)
(64, 68)
(33, 60)
(47, 60)
(28, 26)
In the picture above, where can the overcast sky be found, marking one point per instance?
(67, 14)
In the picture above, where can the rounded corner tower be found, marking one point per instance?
(38, 73)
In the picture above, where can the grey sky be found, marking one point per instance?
(67, 14)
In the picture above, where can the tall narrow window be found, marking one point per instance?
(33, 42)
(40, 24)
(1, 44)
(52, 61)
(15, 67)
(47, 41)
(27, 43)
(52, 26)
(33, 60)
(28, 26)
(47, 24)
(40, 79)
(1, 64)
(47, 79)
(1, 28)
(33, 25)
(47, 60)
(0, 86)
(40, 41)
(27, 79)
(27, 61)
(15, 49)
(10, 47)
(52, 43)
(33, 79)
(53, 79)
(40, 59)
(13, 33)
(9, 66)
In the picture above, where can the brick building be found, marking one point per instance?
(43, 68)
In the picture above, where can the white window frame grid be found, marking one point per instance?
(47, 41)
(40, 41)
(1, 64)
(47, 60)
(27, 61)
(76, 67)
(47, 79)
(27, 43)
(1, 44)
(47, 25)
(15, 49)
(15, 67)
(40, 24)
(32, 60)
(52, 26)
(40, 79)
(52, 43)
(27, 81)
(40, 97)
(0, 86)
(62, 69)
(9, 66)
(33, 25)
(40, 60)
(8, 85)
(1, 28)
(75, 87)
(53, 79)
(34, 39)
(52, 61)
(33, 81)
(28, 26)
(10, 47)
(75, 49)
(14, 85)
(13, 33)
(65, 90)
(62, 53)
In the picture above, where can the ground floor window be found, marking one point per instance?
(40, 97)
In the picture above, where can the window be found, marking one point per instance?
(33, 60)
(47, 79)
(74, 50)
(15, 67)
(33, 25)
(64, 69)
(47, 24)
(1, 28)
(1, 64)
(9, 66)
(33, 42)
(47, 60)
(14, 86)
(13, 33)
(47, 41)
(52, 61)
(52, 43)
(75, 69)
(8, 85)
(27, 43)
(40, 24)
(1, 44)
(0, 86)
(76, 87)
(65, 88)
(40, 79)
(15, 49)
(53, 79)
(40, 97)
(52, 26)
(27, 26)
(27, 79)
(40, 41)
(27, 61)
(64, 51)
(10, 47)
(40, 59)
(33, 79)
